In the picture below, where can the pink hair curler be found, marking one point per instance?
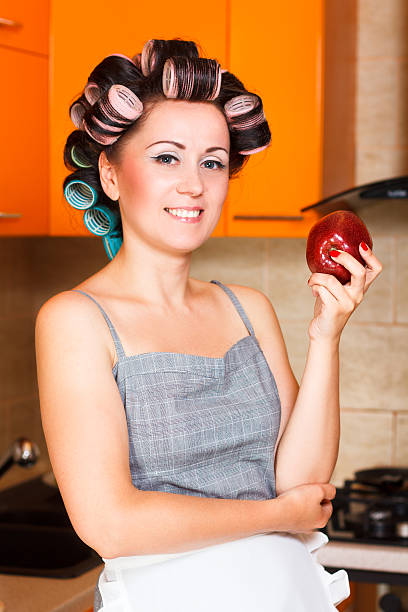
(148, 57)
(249, 123)
(101, 138)
(125, 102)
(121, 106)
(77, 113)
(216, 92)
(240, 105)
(136, 59)
(252, 151)
(92, 92)
(169, 82)
(173, 87)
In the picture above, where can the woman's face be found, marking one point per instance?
(178, 159)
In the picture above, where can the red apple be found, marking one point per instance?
(342, 230)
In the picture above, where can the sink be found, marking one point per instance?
(36, 535)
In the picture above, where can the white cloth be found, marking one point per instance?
(272, 572)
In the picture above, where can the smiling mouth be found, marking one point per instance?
(185, 212)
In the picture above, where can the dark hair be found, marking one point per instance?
(197, 78)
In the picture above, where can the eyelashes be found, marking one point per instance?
(220, 165)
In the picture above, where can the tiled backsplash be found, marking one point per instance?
(374, 344)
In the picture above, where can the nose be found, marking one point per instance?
(190, 181)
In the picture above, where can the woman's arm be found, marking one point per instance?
(308, 449)
(308, 440)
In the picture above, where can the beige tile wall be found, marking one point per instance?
(374, 345)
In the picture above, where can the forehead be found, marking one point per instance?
(169, 119)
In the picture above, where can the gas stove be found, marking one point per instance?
(372, 508)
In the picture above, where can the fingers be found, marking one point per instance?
(328, 491)
(361, 276)
(356, 269)
(327, 510)
(332, 288)
(374, 265)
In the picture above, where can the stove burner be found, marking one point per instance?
(372, 508)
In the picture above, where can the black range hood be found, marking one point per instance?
(364, 195)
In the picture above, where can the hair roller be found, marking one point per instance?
(191, 78)
(245, 115)
(148, 57)
(112, 244)
(112, 114)
(101, 220)
(137, 60)
(92, 92)
(78, 110)
(240, 105)
(156, 51)
(80, 194)
(252, 151)
(79, 158)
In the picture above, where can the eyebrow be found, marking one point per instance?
(180, 146)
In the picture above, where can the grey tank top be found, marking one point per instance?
(198, 425)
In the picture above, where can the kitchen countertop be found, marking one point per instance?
(369, 557)
(36, 594)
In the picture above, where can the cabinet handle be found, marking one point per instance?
(269, 217)
(9, 22)
(5, 215)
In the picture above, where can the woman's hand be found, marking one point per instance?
(336, 302)
(305, 507)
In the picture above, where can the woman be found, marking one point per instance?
(186, 454)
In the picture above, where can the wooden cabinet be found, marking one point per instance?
(24, 175)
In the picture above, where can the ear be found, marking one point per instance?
(108, 177)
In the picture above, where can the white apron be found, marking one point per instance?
(272, 572)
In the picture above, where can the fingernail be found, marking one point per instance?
(334, 253)
(364, 246)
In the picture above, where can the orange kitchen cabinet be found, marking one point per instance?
(277, 52)
(24, 25)
(83, 36)
(24, 175)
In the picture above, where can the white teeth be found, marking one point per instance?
(181, 212)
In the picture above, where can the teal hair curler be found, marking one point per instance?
(101, 220)
(80, 194)
(112, 244)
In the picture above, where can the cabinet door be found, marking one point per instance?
(99, 32)
(276, 51)
(24, 24)
(24, 143)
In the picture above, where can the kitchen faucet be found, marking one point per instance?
(23, 451)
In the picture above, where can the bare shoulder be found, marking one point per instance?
(67, 317)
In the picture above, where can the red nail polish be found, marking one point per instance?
(364, 246)
(334, 253)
